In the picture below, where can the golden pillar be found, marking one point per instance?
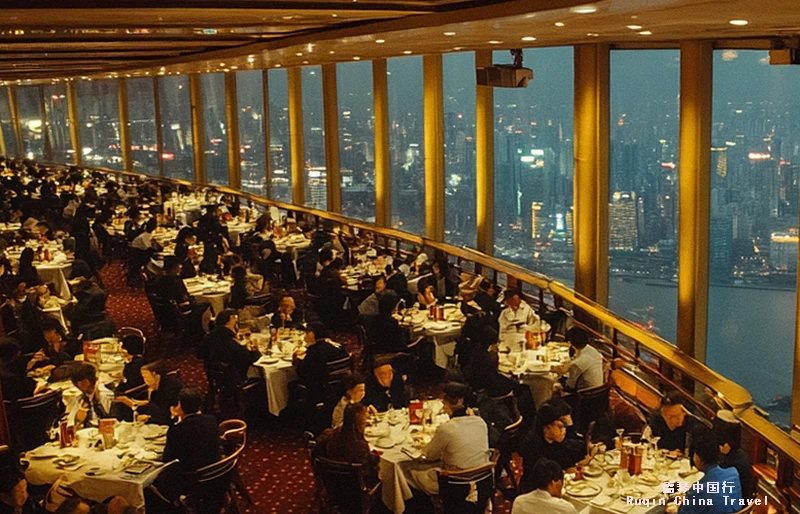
(198, 128)
(590, 189)
(383, 183)
(694, 190)
(124, 124)
(232, 119)
(330, 107)
(159, 126)
(484, 159)
(265, 119)
(74, 124)
(296, 135)
(433, 104)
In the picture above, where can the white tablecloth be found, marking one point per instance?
(204, 290)
(57, 273)
(443, 333)
(97, 488)
(277, 377)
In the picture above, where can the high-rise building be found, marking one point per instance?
(783, 250)
(538, 220)
(623, 226)
(720, 253)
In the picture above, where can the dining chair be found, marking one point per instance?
(211, 487)
(29, 419)
(507, 446)
(344, 487)
(233, 439)
(455, 487)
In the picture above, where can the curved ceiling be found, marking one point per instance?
(183, 36)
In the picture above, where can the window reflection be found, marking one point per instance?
(58, 130)
(314, 174)
(98, 118)
(250, 105)
(142, 126)
(279, 138)
(6, 124)
(176, 127)
(29, 104)
(215, 128)
(356, 139)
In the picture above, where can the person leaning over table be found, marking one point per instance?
(369, 307)
(59, 350)
(224, 348)
(354, 390)
(547, 481)
(170, 287)
(287, 315)
(674, 424)
(385, 387)
(26, 270)
(706, 457)
(312, 363)
(185, 253)
(460, 443)
(162, 394)
(93, 403)
(517, 315)
(548, 439)
(585, 370)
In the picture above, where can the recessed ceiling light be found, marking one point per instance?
(222, 64)
(584, 9)
(592, 34)
(234, 67)
(456, 48)
(331, 52)
(299, 54)
(449, 33)
(356, 58)
(407, 52)
(251, 58)
(645, 33)
(306, 62)
(738, 23)
(560, 24)
(495, 42)
(635, 27)
(529, 38)
(380, 41)
(277, 65)
(334, 15)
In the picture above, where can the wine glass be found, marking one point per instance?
(620, 432)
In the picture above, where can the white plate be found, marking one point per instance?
(583, 489)
(43, 452)
(270, 360)
(385, 443)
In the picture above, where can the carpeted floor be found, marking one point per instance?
(275, 466)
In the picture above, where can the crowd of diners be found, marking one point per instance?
(69, 203)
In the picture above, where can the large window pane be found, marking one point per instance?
(280, 147)
(29, 104)
(215, 124)
(6, 125)
(252, 142)
(406, 156)
(98, 118)
(459, 148)
(356, 139)
(142, 126)
(58, 130)
(314, 139)
(753, 235)
(176, 127)
(643, 228)
(533, 166)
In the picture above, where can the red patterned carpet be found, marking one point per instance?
(275, 467)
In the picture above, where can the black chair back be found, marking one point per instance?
(455, 487)
(337, 370)
(590, 405)
(344, 485)
(210, 486)
(30, 419)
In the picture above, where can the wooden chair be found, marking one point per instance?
(344, 486)
(590, 404)
(454, 486)
(124, 333)
(233, 436)
(507, 446)
(211, 487)
(29, 419)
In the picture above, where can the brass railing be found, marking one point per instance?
(651, 355)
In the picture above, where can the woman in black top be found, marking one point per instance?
(27, 272)
(162, 393)
(184, 253)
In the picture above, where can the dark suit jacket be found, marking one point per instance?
(171, 287)
(223, 348)
(194, 442)
(161, 400)
(675, 439)
(380, 397)
(312, 371)
(297, 320)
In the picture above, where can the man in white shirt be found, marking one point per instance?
(145, 241)
(548, 479)
(517, 316)
(461, 443)
(586, 368)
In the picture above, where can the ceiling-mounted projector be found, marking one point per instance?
(505, 75)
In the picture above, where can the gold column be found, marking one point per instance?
(590, 189)
(383, 183)
(484, 159)
(3, 149)
(296, 135)
(232, 119)
(268, 155)
(124, 124)
(159, 127)
(433, 104)
(74, 124)
(694, 190)
(330, 107)
(47, 151)
(198, 129)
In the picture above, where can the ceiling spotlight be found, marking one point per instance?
(584, 9)
(407, 52)
(560, 24)
(380, 41)
(251, 59)
(645, 33)
(495, 42)
(356, 58)
(592, 34)
(277, 65)
(456, 48)
(449, 33)
(306, 62)
(299, 54)
(331, 52)
(529, 38)
(738, 23)
(635, 27)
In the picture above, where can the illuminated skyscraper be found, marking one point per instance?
(783, 250)
(538, 220)
(624, 228)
